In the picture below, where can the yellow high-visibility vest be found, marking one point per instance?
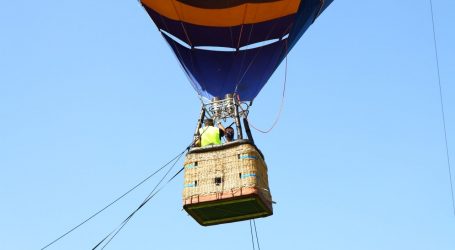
(210, 136)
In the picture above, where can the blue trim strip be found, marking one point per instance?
(247, 175)
(190, 166)
(248, 157)
(189, 185)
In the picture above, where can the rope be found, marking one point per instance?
(123, 224)
(112, 203)
(252, 237)
(278, 116)
(176, 158)
(255, 234)
(442, 108)
(152, 194)
(257, 53)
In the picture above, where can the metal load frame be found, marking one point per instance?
(224, 109)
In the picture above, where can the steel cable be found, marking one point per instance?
(442, 107)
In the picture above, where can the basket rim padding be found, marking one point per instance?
(224, 146)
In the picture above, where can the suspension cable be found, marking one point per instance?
(112, 203)
(278, 116)
(442, 107)
(176, 158)
(252, 237)
(256, 232)
(152, 194)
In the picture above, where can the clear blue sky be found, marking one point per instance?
(92, 101)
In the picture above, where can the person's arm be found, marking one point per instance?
(197, 143)
(222, 129)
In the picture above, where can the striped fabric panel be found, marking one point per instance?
(232, 46)
(213, 14)
(217, 73)
(231, 37)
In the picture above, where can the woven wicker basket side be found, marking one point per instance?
(225, 170)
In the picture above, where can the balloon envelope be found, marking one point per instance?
(232, 46)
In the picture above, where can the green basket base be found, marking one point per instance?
(228, 210)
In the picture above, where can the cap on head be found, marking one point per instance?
(208, 122)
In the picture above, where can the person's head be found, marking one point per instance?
(229, 134)
(208, 122)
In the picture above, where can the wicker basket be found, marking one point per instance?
(226, 183)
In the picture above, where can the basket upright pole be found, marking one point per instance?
(248, 130)
(199, 125)
(237, 121)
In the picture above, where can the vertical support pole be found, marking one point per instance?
(237, 122)
(248, 130)
(199, 124)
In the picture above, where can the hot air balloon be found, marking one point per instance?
(229, 49)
